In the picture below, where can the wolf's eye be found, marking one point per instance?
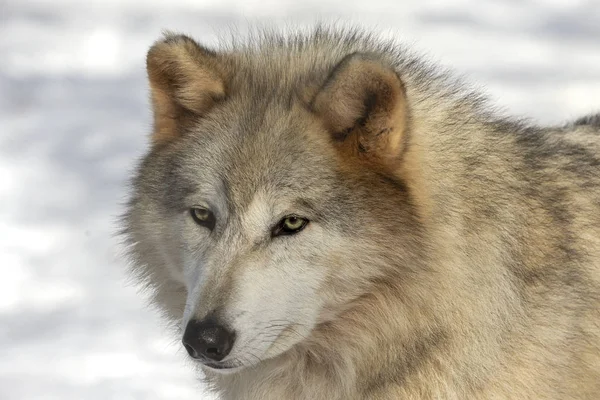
(290, 225)
(203, 216)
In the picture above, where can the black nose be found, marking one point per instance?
(207, 339)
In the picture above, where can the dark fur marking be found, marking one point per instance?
(370, 103)
(395, 182)
(591, 120)
(384, 131)
(343, 135)
(416, 354)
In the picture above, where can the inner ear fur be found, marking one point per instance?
(363, 106)
(184, 78)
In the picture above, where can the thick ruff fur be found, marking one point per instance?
(450, 253)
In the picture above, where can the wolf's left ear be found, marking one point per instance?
(363, 105)
(184, 78)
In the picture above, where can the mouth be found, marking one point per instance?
(218, 366)
(222, 366)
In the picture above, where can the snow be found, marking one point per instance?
(74, 119)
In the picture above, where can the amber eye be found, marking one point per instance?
(203, 216)
(290, 225)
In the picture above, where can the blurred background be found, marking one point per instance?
(74, 118)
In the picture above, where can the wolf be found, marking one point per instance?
(325, 215)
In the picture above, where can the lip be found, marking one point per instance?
(217, 365)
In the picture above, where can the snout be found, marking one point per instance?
(207, 339)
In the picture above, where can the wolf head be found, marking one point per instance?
(272, 197)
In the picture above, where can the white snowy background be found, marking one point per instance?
(74, 117)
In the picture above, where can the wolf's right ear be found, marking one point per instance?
(184, 78)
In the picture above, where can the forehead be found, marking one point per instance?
(240, 151)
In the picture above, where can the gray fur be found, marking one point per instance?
(470, 271)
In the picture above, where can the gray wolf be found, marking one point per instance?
(327, 216)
